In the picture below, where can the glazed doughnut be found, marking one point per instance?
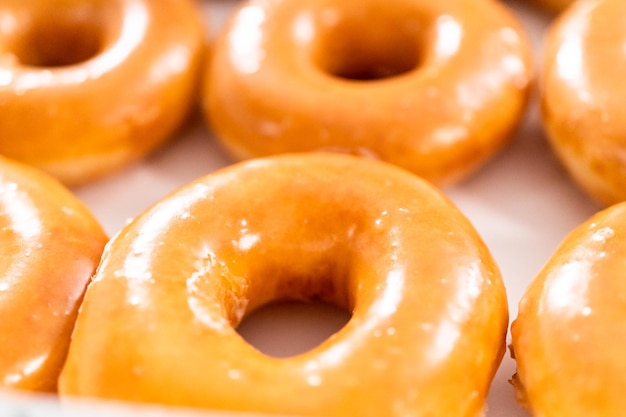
(433, 87)
(582, 96)
(429, 310)
(51, 245)
(86, 87)
(569, 335)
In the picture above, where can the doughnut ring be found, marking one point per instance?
(434, 87)
(51, 245)
(429, 310)
(582, 96)
(569, 333)
(87, 87)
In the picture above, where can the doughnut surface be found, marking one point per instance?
(87, 87)
(570, 333)
(433, 87)
(582, 96)
(429, 311)
(51, 245)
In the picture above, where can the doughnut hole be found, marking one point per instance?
(288, 328)
(73, 36)
(371, 44)
(57, 45)
(301, 306)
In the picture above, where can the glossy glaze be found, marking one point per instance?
(50, 245)
(570, 333)
(429, 310)
(434, 87)
(582, 96)
(89, 86)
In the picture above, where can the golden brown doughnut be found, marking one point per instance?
(582, 96)
(87, 87)
(435, 87)
(570, 333)
(51, 245)
(429, 311)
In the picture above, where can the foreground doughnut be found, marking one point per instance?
(429, 312)
(428, 86)
(86, 87)
(582, 96)
(50, 246)
(569, 335)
